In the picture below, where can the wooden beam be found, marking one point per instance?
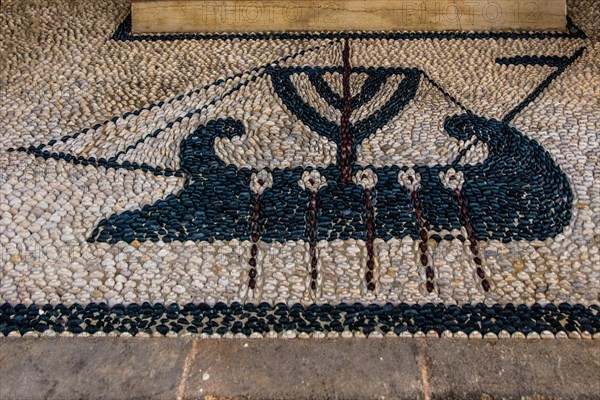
(178, 16)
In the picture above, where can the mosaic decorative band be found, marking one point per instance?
(281, 320)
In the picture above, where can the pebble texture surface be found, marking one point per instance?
(396, 171)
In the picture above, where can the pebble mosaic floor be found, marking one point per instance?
(285, 185)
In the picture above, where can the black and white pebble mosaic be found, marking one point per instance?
(285, 185)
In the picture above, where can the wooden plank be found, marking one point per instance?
(194, 16)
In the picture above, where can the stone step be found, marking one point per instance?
(390, 368)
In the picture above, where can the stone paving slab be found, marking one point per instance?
(564, 369)
(346, 369)
(159, 368)
(109, 368)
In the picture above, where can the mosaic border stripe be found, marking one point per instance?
(281, 320)
(123, 33)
